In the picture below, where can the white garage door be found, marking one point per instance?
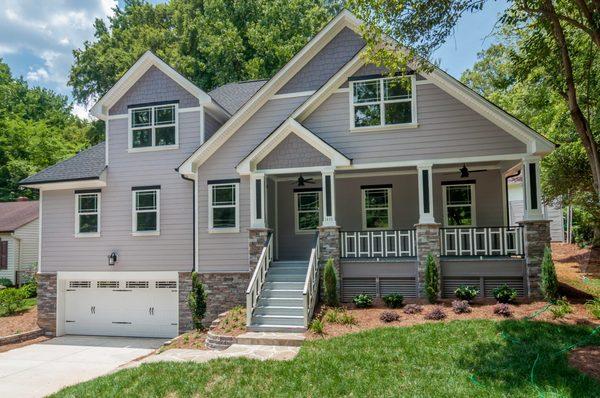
(112, 307)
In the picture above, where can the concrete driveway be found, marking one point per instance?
(41, 369)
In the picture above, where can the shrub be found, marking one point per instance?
(436, 314)
(6, 282)
(413, 309)
(363, 301)
(317, 326)
(593, 307)
(347, 319)
(11, 299)
(561, 308)
(31, 288)
(466, 292)
(332, 315)
(197, 301)
(330, 284)
(461, 307)
(505, 294)
(503, 309)
(389, 316)
(432, 283)
(549, 281)
(393, 300)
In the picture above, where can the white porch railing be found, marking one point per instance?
(311, 284)
(258, 278)
(357, 244)
(484, 241)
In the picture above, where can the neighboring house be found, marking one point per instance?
(19, 231)
(553, 213)
(225, 182)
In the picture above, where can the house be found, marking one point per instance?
(19, 231)
(255, 184)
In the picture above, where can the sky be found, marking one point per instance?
(37, 38)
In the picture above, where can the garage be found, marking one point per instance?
(141, 305)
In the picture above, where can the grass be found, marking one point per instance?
(25, 305)
(458, 359)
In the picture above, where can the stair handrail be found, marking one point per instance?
(311, 283)
(258, 278)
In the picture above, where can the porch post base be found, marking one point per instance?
(257, 238)
(428, 242)
(329, 247)
(536, 236)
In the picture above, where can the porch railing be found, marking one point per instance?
(311, 284)
(258, 278)
(483, 241)
(365, 244)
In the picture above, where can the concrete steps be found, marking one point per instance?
(271, 338)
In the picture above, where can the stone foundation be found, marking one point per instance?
(536, 236)
(329, 247)
(428, 242)
(46, 303)
(257, 238)
(185, 314)
(224, 291)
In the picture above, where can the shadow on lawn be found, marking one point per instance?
(529, 354)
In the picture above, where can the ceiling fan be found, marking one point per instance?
(301, 181)
(465, 172)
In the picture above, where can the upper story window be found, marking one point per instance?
(376, 208)
(380, 103)
(223, 207)
(153, 128)
(146, 211)
(459, 205)
(87, 217)
(308, 211)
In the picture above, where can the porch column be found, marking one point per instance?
(536, 236)
(257, 200)
(532, 198)
(425, 183)
(328, 198)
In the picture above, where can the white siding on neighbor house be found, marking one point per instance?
(13, 247)
(28, 248)
(552, 213)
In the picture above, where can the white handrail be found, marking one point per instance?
(311, 284)
(258, 278)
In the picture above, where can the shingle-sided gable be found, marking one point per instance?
(293, 151)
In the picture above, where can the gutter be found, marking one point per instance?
(194, 219)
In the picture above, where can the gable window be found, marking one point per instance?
(223, 207)
(146, 211)
(308, 211)
(153, 127)
(378, 103)
(459, 205)
(87, 218)
(376, 208)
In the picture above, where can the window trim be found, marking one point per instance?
(153, 127)
(297, 229)
(473, 205)
(382, 126)
(364, 209)
(134, 213)
(236, 228)
(98, 212)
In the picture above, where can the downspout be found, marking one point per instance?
(195, 221)
(507, 204)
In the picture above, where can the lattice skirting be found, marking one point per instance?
(378, 287)
(486, 285)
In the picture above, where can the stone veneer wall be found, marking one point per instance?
(536, 238)
(224, 291)
(185, 314)
(428, 242)
(329, 247)
(46, 303)
(257, 238)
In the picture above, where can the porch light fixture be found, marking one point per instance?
(112, 258)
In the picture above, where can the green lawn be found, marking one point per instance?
(25, 305)
(457, 359)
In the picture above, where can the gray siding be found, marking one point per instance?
(447, 129)
(211, 125)
(154, 86)
(341, 49)
(293, 151)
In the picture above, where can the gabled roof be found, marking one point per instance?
(232, 96)
(14, 215)
(290, 126)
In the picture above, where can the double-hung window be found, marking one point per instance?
(308, 211)
(223, 207)
(459, 205)
(87, 218)
(379, 103)
(153, 127)
(377, 208)
(146, 211)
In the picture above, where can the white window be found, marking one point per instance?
(377, 208)
(153, 128)
(380, 103)
(308, 211)
(223, 207)
(87, 217)
(146, 212)
(459, 205)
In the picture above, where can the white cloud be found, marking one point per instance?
(38, 75)
(82, 111)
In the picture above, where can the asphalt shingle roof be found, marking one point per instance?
(232, 96)
(16, 214)
(86, 165)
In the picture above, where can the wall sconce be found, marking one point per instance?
(112, 258)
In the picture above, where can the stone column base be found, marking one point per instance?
(46, 303)
(428, 242)
(329, 247)
(223, 292)
(257, 238)
(536, 236)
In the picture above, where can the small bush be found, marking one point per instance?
(389, 316)
(393, 300)
(503, 309)
(593, 307)
(549, 281)
(505, 294)
(363, 301)
(347, 319)
(332, 315)
(461, 307)
(561, 308)
(330, 284)
(432, 282)
(436, 314)
(11, 299)
(31, 288)
(317, 326)
(6, 282)
(466, 293)
(413, 309)
(197, 301)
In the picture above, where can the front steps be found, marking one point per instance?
(280, 306)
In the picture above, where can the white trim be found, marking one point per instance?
(152, 126)
(292, 95)
(202, 127)
(425, 217)
(41, 201)
(292, 170)
(192, 109)
(98, 214)
(363, 194)
(135, 211)
(106, 142)
(236, 228)
(256, 222)
(118, 116)
(473, 206)
(375, 129)
(529, 213)
(78, 184)
(421, 82)
(196, 223)
(328, 221)
(297, 229)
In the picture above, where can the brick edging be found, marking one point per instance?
(20, 337)
(218, 341)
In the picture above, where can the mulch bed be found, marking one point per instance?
(586, 360)
(191, 340)
(232, 324)
(19, 323)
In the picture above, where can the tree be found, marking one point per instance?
(211, 42)
(330, 284)
(432, 279)
(549, 280)
(197, 301)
